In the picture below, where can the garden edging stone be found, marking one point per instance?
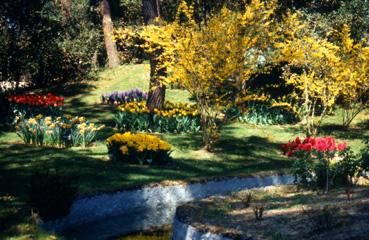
(113, 214)
(183, 231)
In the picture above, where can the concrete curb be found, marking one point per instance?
(113, 214)
(183, 231)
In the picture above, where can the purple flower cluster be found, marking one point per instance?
(133, 95)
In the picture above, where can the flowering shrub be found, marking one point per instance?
(138, 148)
(321, 162)
(134, 95)
(262, 110)
(321, 145)
(33, 104)
(175, 117)
(62, 131)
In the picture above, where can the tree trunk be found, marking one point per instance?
(66, 9)
(156, 98)
(150, 10)
(111, 47)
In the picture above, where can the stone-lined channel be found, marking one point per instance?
(108, 215)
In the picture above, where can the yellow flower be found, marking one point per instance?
(124, 150)
(82, 125)
(48, 121)
(140, 142)
(140, 148)
(81, 119)
(32, 121)
(39, 116)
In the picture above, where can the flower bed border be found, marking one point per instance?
(87, 211)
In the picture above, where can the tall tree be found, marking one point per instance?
(111, 47)
(156, 98)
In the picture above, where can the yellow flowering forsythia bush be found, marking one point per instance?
(138, 148)
(62, 131)
(175, 117)
(209, 58)
(353, 73)
(328, 72)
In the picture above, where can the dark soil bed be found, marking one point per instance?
(288, 213)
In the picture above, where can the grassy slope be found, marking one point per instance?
(242, 149)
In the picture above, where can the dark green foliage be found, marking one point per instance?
(128, 121)
(5, 111)
(262, 114)
(176, 124)
(279, 236)
(354, 13)
(159, 157)
(365, 156)
(311, 5)
(38, 45)
(303, 169)
(52, 194)
(313, 172)
(131, 12)
(349, 167)
(271, 83)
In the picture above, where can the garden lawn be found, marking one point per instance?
(242, 150)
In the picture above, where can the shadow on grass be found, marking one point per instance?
(364, 124)
(95, 112)
(338, 131)
(72, 89)
(5, 128)
(96, 173)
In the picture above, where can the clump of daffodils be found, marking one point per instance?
(87, 127)
(61, 131)
(174, 117)
(138, 147)
(170, 109)
(134, 107)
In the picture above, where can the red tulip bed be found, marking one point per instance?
(33, 104)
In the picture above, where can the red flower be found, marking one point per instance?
(342, 146)
(324, 144)
(37, 100)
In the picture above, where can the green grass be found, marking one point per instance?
(241, 150)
